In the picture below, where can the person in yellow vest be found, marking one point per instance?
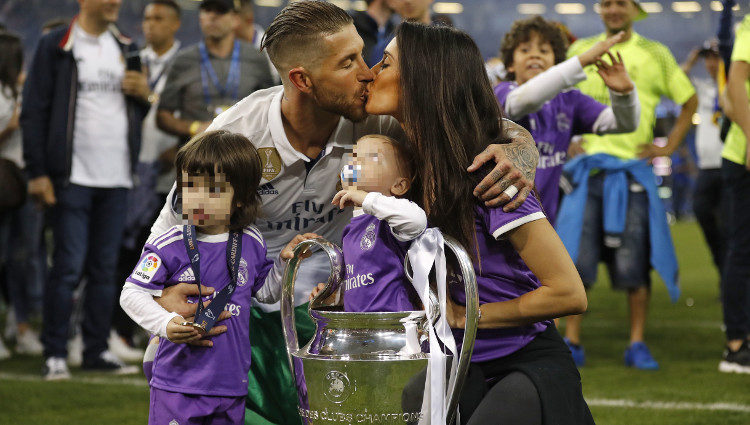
(631, 235)
(735, 171)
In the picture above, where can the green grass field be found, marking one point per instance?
(685, 338)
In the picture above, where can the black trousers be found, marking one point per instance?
(736, 277)
(710, 208)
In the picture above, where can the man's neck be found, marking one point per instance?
(220, 47)
(380, 14)
(307, 127)
(92, 25)
(162, 48)
(628, 34)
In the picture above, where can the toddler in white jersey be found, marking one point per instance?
(194, 379)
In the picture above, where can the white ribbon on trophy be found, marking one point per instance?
(425, 251)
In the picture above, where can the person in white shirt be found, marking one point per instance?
(304, 131)
(709, 199)
(81, 124)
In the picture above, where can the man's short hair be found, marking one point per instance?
(172, 4)
(298, 27)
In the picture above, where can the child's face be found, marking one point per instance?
(531, 58)
(374, 167)
(206, 201)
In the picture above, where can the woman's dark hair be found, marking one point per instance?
(522, 31)
(233, 155)
(11, 62)
(450, 114)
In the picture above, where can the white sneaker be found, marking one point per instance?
(119, 348)
(4, 352)
(28, 343)
(55, 369)
(75, 350)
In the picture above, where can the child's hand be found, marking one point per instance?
(180, 334)
(349, 198)
(615, 76)
(288, 252)
(595, 53)
(318, 289)
(204, 340)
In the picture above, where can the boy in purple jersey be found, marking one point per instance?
(540, 98)
(218, 174)
(377, 239)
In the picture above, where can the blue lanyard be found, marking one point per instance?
(206, 316)
(232, 86)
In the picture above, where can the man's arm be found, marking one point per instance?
(739, 72)
(680, 129)
(169, 123)
(516, 166)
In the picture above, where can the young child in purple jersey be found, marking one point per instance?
(539, 96)
(522, 372)
(376, 241)
(194, 378)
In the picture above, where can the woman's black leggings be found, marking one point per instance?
(512, 400)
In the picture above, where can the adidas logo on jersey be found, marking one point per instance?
(187, 276)
(267, 189)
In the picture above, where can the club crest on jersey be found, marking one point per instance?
(146, 269)
(242, 275)
(563, 122)
(368, 239)
(174, 422)
(270, 161)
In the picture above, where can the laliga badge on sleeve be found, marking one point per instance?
(270, 162)
(146, 268)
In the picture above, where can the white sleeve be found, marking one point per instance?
(532, 95)
(622, 117)
(167, 217)
(405, 218)
(270, 292)
(139, 304)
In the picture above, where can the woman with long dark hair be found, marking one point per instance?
(432, 80)
(20, 221)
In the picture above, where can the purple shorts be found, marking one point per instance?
(168, 408)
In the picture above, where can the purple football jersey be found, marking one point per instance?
(375, 278)
(568, 114)
(501, 275)
(220, 370)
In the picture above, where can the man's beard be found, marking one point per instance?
(339, 105)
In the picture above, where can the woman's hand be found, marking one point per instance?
(288, 252)
(615, 76)
(455, 314)
(349, 198)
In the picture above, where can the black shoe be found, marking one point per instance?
(736, 361)
(108, 362)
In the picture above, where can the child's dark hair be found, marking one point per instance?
(521, 32)
(233, 155)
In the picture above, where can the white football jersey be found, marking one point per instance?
(294, 201)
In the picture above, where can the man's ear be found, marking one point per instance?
(300, 78)
(400, 187)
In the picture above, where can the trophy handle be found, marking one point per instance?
(472, 318)
(287, 293)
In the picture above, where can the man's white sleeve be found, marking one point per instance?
(139, 304)
(530, 96)
(406, 220)
(622, 117)
(167, 217)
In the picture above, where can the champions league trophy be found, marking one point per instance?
(371, 367)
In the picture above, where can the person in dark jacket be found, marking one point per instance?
(84, 100)
(374, 25)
